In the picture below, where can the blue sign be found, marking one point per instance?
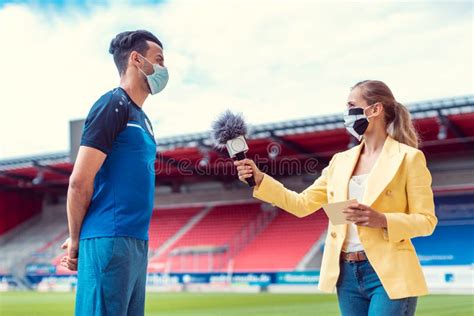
(40, 269)
(256, 278)
(300, 277)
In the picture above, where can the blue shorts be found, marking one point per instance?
(111, 276)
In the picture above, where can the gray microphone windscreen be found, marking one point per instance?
(228, 126)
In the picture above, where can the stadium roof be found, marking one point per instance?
(445, 126)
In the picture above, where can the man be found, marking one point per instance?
(111, 189)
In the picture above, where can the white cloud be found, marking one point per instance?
(270, 60)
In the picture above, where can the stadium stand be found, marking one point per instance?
(38, 241)
(165, 223)
(216, 229)
(449, 245)
(283, 244)
(453, 239)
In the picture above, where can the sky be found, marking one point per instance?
(270, 60)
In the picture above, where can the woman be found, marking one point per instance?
(371, 261)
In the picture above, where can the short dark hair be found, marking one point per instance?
(126, 42)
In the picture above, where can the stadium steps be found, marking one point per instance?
(55, 244)
(283, 244)
(19, 229)
(178, 234)
(312, 260)
(24, 246)
(216, 229)
(248, 234)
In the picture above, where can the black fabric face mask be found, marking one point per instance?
(356, 122)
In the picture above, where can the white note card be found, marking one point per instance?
(334, 211)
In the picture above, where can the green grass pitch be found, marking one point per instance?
(32, 303)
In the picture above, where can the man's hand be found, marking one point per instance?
(70, 261)
(248, 169)
(363, 215)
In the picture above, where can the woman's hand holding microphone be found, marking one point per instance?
(247, 168)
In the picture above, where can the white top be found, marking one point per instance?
(356, 191)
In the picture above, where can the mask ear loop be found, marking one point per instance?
(369, 107)
(142, 69)
(146, 76)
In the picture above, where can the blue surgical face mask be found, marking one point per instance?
(158, 79)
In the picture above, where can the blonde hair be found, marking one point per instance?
(397, 117)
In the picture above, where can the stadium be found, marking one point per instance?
(213, 249)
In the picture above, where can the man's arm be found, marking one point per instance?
(81, 187)
(106, 119)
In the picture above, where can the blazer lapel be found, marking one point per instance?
(383, 171)
(343, 172)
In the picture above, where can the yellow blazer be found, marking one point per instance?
(399, 185)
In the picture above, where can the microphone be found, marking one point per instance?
(229, 131)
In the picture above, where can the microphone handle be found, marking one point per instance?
(241, 156)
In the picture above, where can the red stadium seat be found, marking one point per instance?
(283, 244)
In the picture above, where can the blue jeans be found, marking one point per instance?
(111, 276)
(360, 292)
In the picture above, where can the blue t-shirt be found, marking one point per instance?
(123, 198)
